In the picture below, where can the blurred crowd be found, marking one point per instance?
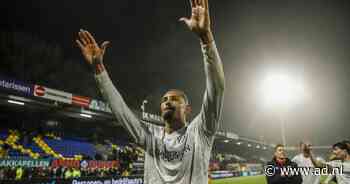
(21, 173)
(127, 155)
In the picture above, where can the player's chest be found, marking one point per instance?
(173, 149)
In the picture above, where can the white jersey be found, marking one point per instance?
(343, 178)
(302, 161)
(181, 157)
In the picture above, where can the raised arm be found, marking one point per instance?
(328, 179)
(314, 161)
(199, 23)
(317, 163)
(93, 55)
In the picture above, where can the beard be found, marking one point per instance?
(168, 114)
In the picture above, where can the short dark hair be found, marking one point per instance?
(181, 93)
(346, 141)
(305, 143)
(278, 145)
(342, 145)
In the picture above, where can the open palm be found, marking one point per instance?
(199, 22)
(89, 48)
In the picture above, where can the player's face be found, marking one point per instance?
(305, 147)
(280, 153)
(339, 153)
(173, 106)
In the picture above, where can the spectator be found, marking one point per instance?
(4, 151)
(19, 173)
(68, 174)
(342, 155)
(2, 173)
(76, 173)
(303, 160)
(279, 161)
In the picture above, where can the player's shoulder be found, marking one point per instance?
(192, 125)
(334, 163)
(346, 163)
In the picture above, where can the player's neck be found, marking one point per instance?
(171, 126)
(306, 155)
(347, 158)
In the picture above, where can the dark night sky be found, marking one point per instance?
(151, 52)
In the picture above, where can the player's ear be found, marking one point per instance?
(188, 110)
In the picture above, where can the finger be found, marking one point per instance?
(91, 38)
(82, 38)
(193, 3)
(80, 45)
(185, 20)
(206, 5)
(86, 37)
(104, 45)
(195, 12)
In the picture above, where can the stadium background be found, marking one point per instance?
(44, 128)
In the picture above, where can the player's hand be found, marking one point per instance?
(332, 157)
(199, 22)
(92, 53)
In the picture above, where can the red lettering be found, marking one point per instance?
(65, 163)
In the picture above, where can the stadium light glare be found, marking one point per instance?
(238, 143)
(249, 145)
(226, 141)
(264, 147)
(258, 146)
(281, 89)
(86, 115)
(15, 102)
